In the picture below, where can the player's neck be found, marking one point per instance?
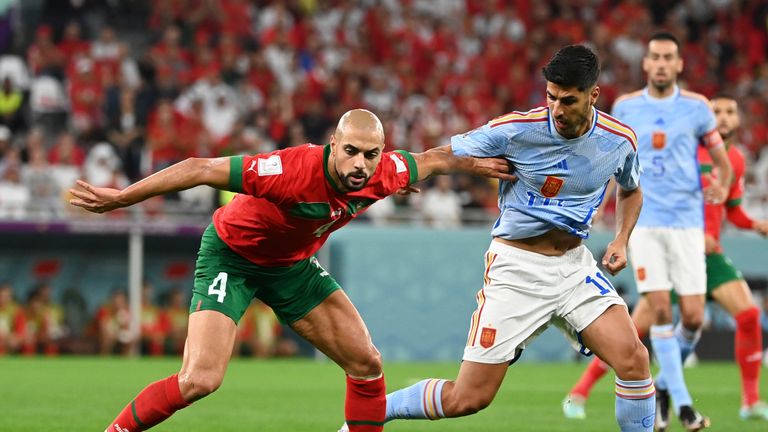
(661, 92)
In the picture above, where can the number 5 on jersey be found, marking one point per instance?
(219, 287)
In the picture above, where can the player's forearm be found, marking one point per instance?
(441, 160)
(628, 205)
(737, 216)
(184, 175)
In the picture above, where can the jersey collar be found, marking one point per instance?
(326, 156)
(669, 98)
(553, 130)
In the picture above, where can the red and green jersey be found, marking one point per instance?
(288, 205)
(713, 213)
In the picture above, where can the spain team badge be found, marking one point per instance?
(552, 186)
(659, 140)
(487, 337)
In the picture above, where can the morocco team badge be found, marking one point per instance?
(552, 186)
(487, 337)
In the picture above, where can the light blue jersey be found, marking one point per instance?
(561, 181)
(669, 131)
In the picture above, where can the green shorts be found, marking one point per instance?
(227, 282)
(720, 270)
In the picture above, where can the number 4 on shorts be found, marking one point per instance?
(221, 291)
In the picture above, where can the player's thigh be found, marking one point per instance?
(613, 338)
(647, 254)
(335, 327)
(688, 270)
(734, 296)
(517, 302)
(210, 339)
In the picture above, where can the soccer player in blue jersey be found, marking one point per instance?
(537, 271)
(667, 248)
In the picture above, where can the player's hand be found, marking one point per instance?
(715, 193)
(762, 227)
(615, 258)
(494, 167)
(95, 199)
(408, 190)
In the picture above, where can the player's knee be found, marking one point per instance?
(633, 364)
(368, 364)
(194, 386)
(662, 312)
(693, 320)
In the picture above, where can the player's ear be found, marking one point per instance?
(594, 94)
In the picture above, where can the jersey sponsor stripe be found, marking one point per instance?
(490, 257)
(532, 115)
(525, 120)
(618, 128)
(615, 132)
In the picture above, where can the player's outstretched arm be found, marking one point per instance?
(628, 205)
(183, 175)
(441, 160)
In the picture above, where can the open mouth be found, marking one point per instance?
(560, 124)
(356, 180)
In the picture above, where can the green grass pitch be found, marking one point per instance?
(84, 394)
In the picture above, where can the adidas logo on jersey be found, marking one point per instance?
(563, 164)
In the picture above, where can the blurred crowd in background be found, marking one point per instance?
(112, 90)
(42, 326)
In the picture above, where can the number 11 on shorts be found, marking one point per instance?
(604, 289)
(221, 290)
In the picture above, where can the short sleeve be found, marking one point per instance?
(486, 141)
(707, 129)
(628, 176)
(397, 170)
(260, 175)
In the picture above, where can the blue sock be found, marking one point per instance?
(687, 341)
(422, 400)
(635, 405)
(667, 352)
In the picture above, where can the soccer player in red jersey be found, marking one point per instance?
(262, 244)
(725, 283)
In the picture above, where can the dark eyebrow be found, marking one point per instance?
(351, 147)
(563, 99)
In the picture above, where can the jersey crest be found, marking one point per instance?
(552, 186)
(659, 140)
(487, 337)
(270, 166)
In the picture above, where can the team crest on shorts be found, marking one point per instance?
(641, 273)
(487, 337)
(552, 186)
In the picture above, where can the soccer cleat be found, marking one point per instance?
(756, 411)
(344, 428)
(692, 420)
(573, 407)
(662, 411)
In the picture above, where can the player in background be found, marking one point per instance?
(725, 283)
(262, 244)
(537, 271)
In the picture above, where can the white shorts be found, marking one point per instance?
(666, 258)
(524, 292)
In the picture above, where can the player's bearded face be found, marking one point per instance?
(355, 161)
(571, 109)
(662, 63)
(727, 115)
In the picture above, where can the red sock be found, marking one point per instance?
(596, 369)
(366, 405)
(749, 346)
(155, 403)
